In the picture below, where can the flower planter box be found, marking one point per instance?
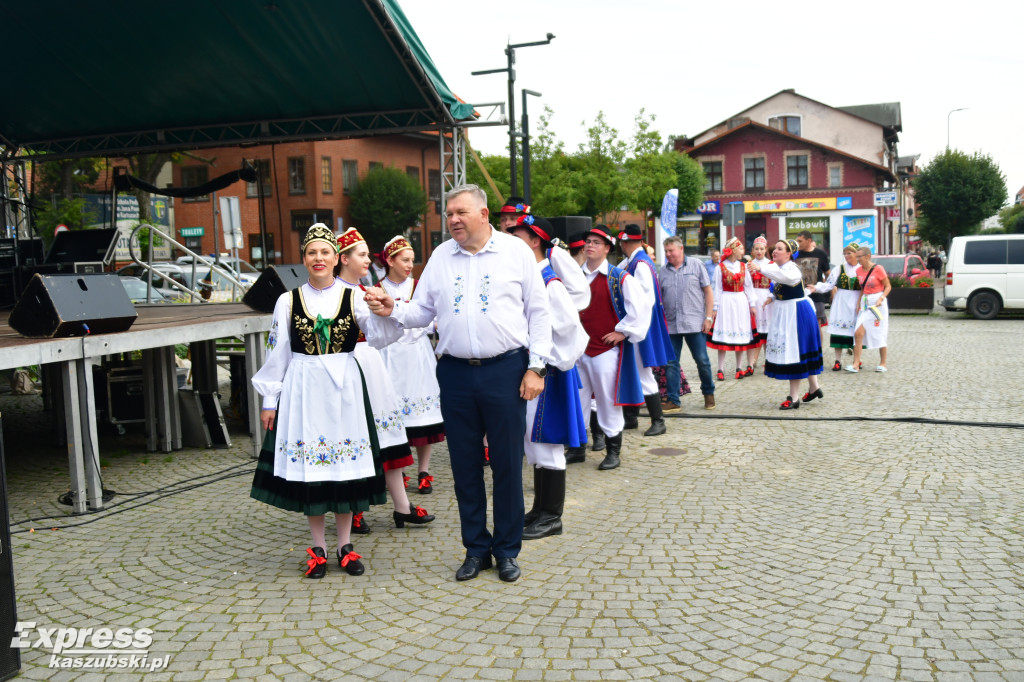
(912, 298)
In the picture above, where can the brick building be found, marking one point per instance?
(304, 182)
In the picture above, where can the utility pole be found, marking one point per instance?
(526, 147)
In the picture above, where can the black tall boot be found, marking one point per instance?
(631, 414)
(611, 458)
(549, 522)
(657, 418)
(596, 434)
(538, 497)
(576, 455)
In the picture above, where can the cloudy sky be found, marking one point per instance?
(695, 64)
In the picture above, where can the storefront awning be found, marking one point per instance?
(123, 77)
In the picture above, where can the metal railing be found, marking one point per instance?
(195, 294)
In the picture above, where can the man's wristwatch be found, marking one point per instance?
(541, 371)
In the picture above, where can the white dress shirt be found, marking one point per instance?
(486, 303)
(643, 274)
(638, 305)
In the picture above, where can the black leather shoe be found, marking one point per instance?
(808, 397)
(508, 569)
(317, 563)
(597, 435)
(611, 458)
(416, 516)
(359, 525)
(472, 566)
(350, 561)
(576, 455)
(657, 428)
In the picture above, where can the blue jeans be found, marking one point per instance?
(697, 343)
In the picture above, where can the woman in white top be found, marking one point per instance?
(793, 350)
(353, 264)
(762, 292)
(412, 365)
(842, 316)
(734, 309)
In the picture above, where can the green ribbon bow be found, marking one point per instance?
(322, 328)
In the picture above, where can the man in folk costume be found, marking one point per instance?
(513, 209)
(555, 417)
(655, 350)
(618, 316)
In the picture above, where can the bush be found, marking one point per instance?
(924, 283)
(898, 281)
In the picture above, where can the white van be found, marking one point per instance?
(985, 274)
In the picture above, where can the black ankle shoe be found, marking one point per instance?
(790, 404)
(425, 487)
(808, 397)
(576, 455)
(416, 516)
(317, 563)
(350, 561)
(359, 525)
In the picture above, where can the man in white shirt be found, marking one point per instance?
(489, 300)
(560, 420)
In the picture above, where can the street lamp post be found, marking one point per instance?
(947, 124)
(510, 54)
(526, 146)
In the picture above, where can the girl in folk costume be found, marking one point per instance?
(554, 418)
(321, 453)
(412, 364)
(762, 292)
(354, 263)
(842, 316)
(873, 320)
(735, 310)
(793, 350)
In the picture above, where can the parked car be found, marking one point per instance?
(910, 266)
(242, 270)
(985, 274)
(136, 289)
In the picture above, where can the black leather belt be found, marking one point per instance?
(477, 362)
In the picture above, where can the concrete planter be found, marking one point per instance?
(921, 299)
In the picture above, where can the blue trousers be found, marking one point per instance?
(697, 343)
(478, 400)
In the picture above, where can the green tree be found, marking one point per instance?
(690, 181)
(596, 171)
(650, 171)
(1012, 219)
(955, 192)
(386, 202)
(58, 189)
(551, 188)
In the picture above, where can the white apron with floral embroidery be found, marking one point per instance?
(412, 365)
(317, 441)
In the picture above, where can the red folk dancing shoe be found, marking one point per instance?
(739, 373)
(417, 516)
(317, 563)
(836, 367)
(749, 372)
(721, 375)
(790, 404)
(425, 487)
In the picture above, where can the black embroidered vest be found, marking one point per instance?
(343, 331)
(785, 292)
(846, 283)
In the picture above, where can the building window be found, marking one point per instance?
(256, 250)
(413, 172)
(789, 124)
(194, 176)
(712, 176)
(796, 171)
(349, 175)
(835, 175)
(262, 167)
(296, 175)
(326, 177)
(374, 165)
(434, 188)
(753, 173)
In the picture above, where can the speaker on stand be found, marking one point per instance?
(276, 279)
(10, 657)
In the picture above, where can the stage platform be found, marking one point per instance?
(155, 332)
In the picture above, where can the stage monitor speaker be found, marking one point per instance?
(569, 225)
(57, 306)
(10, 657)
(275, 280)
(82, 245)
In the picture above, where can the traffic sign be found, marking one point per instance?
(191, 232)
(885, 198)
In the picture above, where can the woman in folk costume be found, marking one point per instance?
(321, 453)
(762, 292)
(554, 418)
(734, 308)
(793, 350)
(412, 365)
(354, 263)
(842, 316)
(873, 320)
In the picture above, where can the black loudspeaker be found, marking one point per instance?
(72, 305)
(570, 225)
(10, 657)
(275, 280)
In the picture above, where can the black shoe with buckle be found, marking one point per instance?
(472, 566)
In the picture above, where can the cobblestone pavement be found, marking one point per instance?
(772, 545)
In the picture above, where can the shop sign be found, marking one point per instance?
(819, 224)
(860, 229)
(710, 207)
(818, 204)
(844, 203)
(191, 232)
(885, 198)
(892, 214)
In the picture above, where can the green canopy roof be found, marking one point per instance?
(123, 76)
